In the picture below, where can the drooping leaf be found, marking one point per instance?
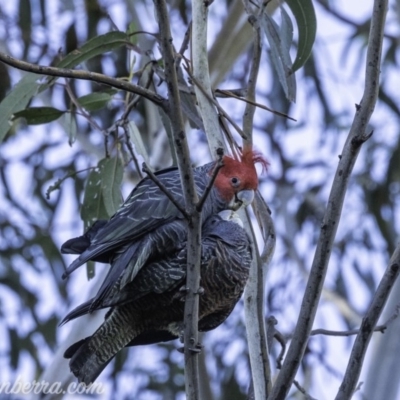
(94, 101)
(39, 115)
(17, 100)
(188, 103)
(137, 141)
(70, 122)
(93, 205)
(98, 45)
(304, 13)
(286, 31)
(111, 171)
(132, 28)
(263, 216)
(280, 54)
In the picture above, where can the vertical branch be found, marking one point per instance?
(190, 195)
(201, 73)
(357, 136)
(254, 291)
(254, 309)
(248, 116)
(368, 324)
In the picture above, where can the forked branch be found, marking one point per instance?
(357, 135)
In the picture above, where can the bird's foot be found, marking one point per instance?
(197, 348)
(184, 290)
(182, 293)
(194, 348)
(201, 290)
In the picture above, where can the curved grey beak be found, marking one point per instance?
(243, 199)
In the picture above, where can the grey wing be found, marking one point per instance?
(146, 209)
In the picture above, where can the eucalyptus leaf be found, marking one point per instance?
(137, 141)
(16, 101)
(304, 13)
(111, 171)
(93, 205)
(39, 115)
(132, 28)
(71, 125)
(94, 101)
(280, 55)
(94, 47)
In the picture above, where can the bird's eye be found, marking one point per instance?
(235, 181)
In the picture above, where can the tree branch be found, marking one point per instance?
(202, 76)
(254, 302)
(380, 328)
(360, 346)
(191, 199)
(212, 101)
(84, 75)
(356, 137)
(254, 291)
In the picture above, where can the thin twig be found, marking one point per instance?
(215, 103)
(228, 93)
(185, 44)
(351, 332)
(87, 116)
(218, 166)
(356, 137)
(369, 321)
(84, 75)
(130, 148)
(154, 178)
(302, 390)
(248, 116)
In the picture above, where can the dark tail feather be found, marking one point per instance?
(99, 253)
(74, 348)
(84, 363)
(75, 245)
(79, 244)
(83, 309)
(117, 269)
(91, 355)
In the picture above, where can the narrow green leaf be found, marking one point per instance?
(286, 30)
(280, 56)
(17, 100)
(132, 28)
(304, 13)
(111, 171)
(93, 205)
(137, 141)
(94, 101)
(188, 103)
(90, 269)
(39, 115)
(98, 45)
(70, 123)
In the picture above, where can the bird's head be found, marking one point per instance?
(237, 179)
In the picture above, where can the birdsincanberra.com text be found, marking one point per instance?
(38, 387)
